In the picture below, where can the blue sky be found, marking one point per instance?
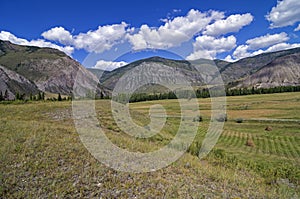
(98, 33)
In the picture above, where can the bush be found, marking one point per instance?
(198, 119)
(239, 120)
(194, 148)
(222, 118)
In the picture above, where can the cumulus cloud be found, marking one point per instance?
(263, 44)
(267, 40)
(98, 41)
(233, 23)
(173, 32)
(285, 13)
(104, 38)
(282, 46)
(229, 58)
(298, 28)
(109, 65)
(244, 50)
(7, 36)
(208, 47)
(241, 52)
(59, 34)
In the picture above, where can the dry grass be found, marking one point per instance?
(42, 156)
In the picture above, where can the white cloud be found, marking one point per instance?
(98, 41)
(109, 65)
(176, 10)
(241, 52)
(258, 45)
(104, 38)
(173, 32)
(298, 28)
(7, 36)
(233, 23)
(244, 50)
(282, 46)
(267, 40)
(285, 13)
(229, 58)
(58, 34)
(208, 47)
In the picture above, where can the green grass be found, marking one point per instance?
(42, 155)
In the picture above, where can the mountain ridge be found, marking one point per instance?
(30, 69)
(232, 73)
(49, 69)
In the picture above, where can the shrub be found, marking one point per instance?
(222, 118)
(198, 119)
(239, 120)
(194, 148)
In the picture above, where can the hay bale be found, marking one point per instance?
(250, 143)
(268, 128)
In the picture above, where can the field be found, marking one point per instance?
(256, 156)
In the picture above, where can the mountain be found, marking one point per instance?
(48, 69)
(266, 70)
(29, 70)
(189, 69)
(282, 71)
(221, 64)
(13, 83)
(97, 72)
(251, 65)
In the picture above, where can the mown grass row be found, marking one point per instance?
(275, 145)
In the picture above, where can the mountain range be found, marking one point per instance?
(29, 70)
(281, 68)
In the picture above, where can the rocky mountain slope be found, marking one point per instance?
(28, 69)
(188, 69)
(283, 71)
(49, 69)
(265, 70)
(251, 65)
(13, 83)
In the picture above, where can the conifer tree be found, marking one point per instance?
(6, 95)
(59, 97)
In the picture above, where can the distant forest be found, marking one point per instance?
(215, 92)
(139, 97)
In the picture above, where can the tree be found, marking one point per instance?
(17, 96)
(101, 95)
(6, 95)
(39, 96)
(59, 97)
(1, 97)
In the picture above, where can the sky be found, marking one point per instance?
(110, 34)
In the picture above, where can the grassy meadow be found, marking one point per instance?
(256, 156)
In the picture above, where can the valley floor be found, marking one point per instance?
(256, 156)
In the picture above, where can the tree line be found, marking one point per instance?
(40, 96)
(138, 97)
(203, 93)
